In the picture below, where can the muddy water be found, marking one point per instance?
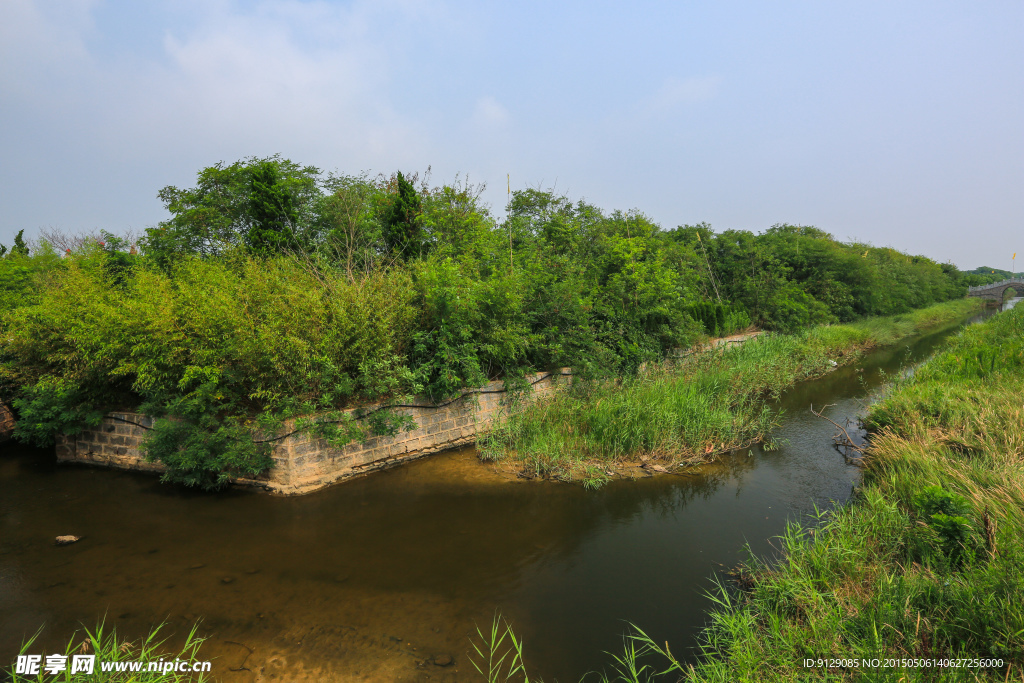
(377, 579)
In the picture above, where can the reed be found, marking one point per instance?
(686, 410)
(924, 567)
(927, 561)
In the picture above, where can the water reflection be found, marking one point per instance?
(372, 578)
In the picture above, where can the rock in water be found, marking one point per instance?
(443, 660)
(68, 540)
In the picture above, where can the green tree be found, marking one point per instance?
(236, 204)
(20, 248)
(403, 234)
(348, 225)
(272, 211)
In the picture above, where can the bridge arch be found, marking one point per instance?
(996, 290)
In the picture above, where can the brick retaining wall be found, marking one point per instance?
(7, 423)
(303, 463)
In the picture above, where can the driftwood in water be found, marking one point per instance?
(842, 441)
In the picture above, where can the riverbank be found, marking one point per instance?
(422, 552)
(687, 410)
(927, 562)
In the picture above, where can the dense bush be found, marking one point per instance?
(274, 289)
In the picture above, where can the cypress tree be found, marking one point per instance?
(402, 233)
(272, 211)
(19, 244)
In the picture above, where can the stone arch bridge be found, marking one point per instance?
(996, 290)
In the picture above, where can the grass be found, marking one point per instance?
(109, 647)
(690, 409)
(925, 563)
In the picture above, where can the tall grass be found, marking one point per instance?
(688, 409)
(928, 561)
(924, 566)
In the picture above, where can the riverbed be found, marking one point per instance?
(384, 578)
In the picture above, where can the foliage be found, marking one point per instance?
(267, 204)
(274, 290)
(496, 659)
(20, 275)
(402, 232)
(51, 406)
(273, 211)
(793, 276)
(346, 220)
(719, 320)
(687, 409)
(926, 562)
(984, 275)
(214, 345)
(19, 248)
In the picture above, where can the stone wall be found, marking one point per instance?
(6, 423)
(303, 463)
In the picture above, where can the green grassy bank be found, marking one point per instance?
(686, 410)
(928, 561)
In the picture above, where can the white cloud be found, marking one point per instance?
(489, 113)
(37, 42)
(282, 76)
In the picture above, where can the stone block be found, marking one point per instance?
(304, 449)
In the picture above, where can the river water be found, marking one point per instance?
(378, 578)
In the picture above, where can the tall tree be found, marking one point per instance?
(272, 211)
(19, 244)
(247, 202)
(403, 234)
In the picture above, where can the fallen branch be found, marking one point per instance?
(841, 442)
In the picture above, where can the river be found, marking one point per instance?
(377, 578)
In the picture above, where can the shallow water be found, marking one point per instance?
(371, 579)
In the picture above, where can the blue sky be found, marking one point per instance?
(897, 123)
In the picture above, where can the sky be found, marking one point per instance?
(895, 123)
